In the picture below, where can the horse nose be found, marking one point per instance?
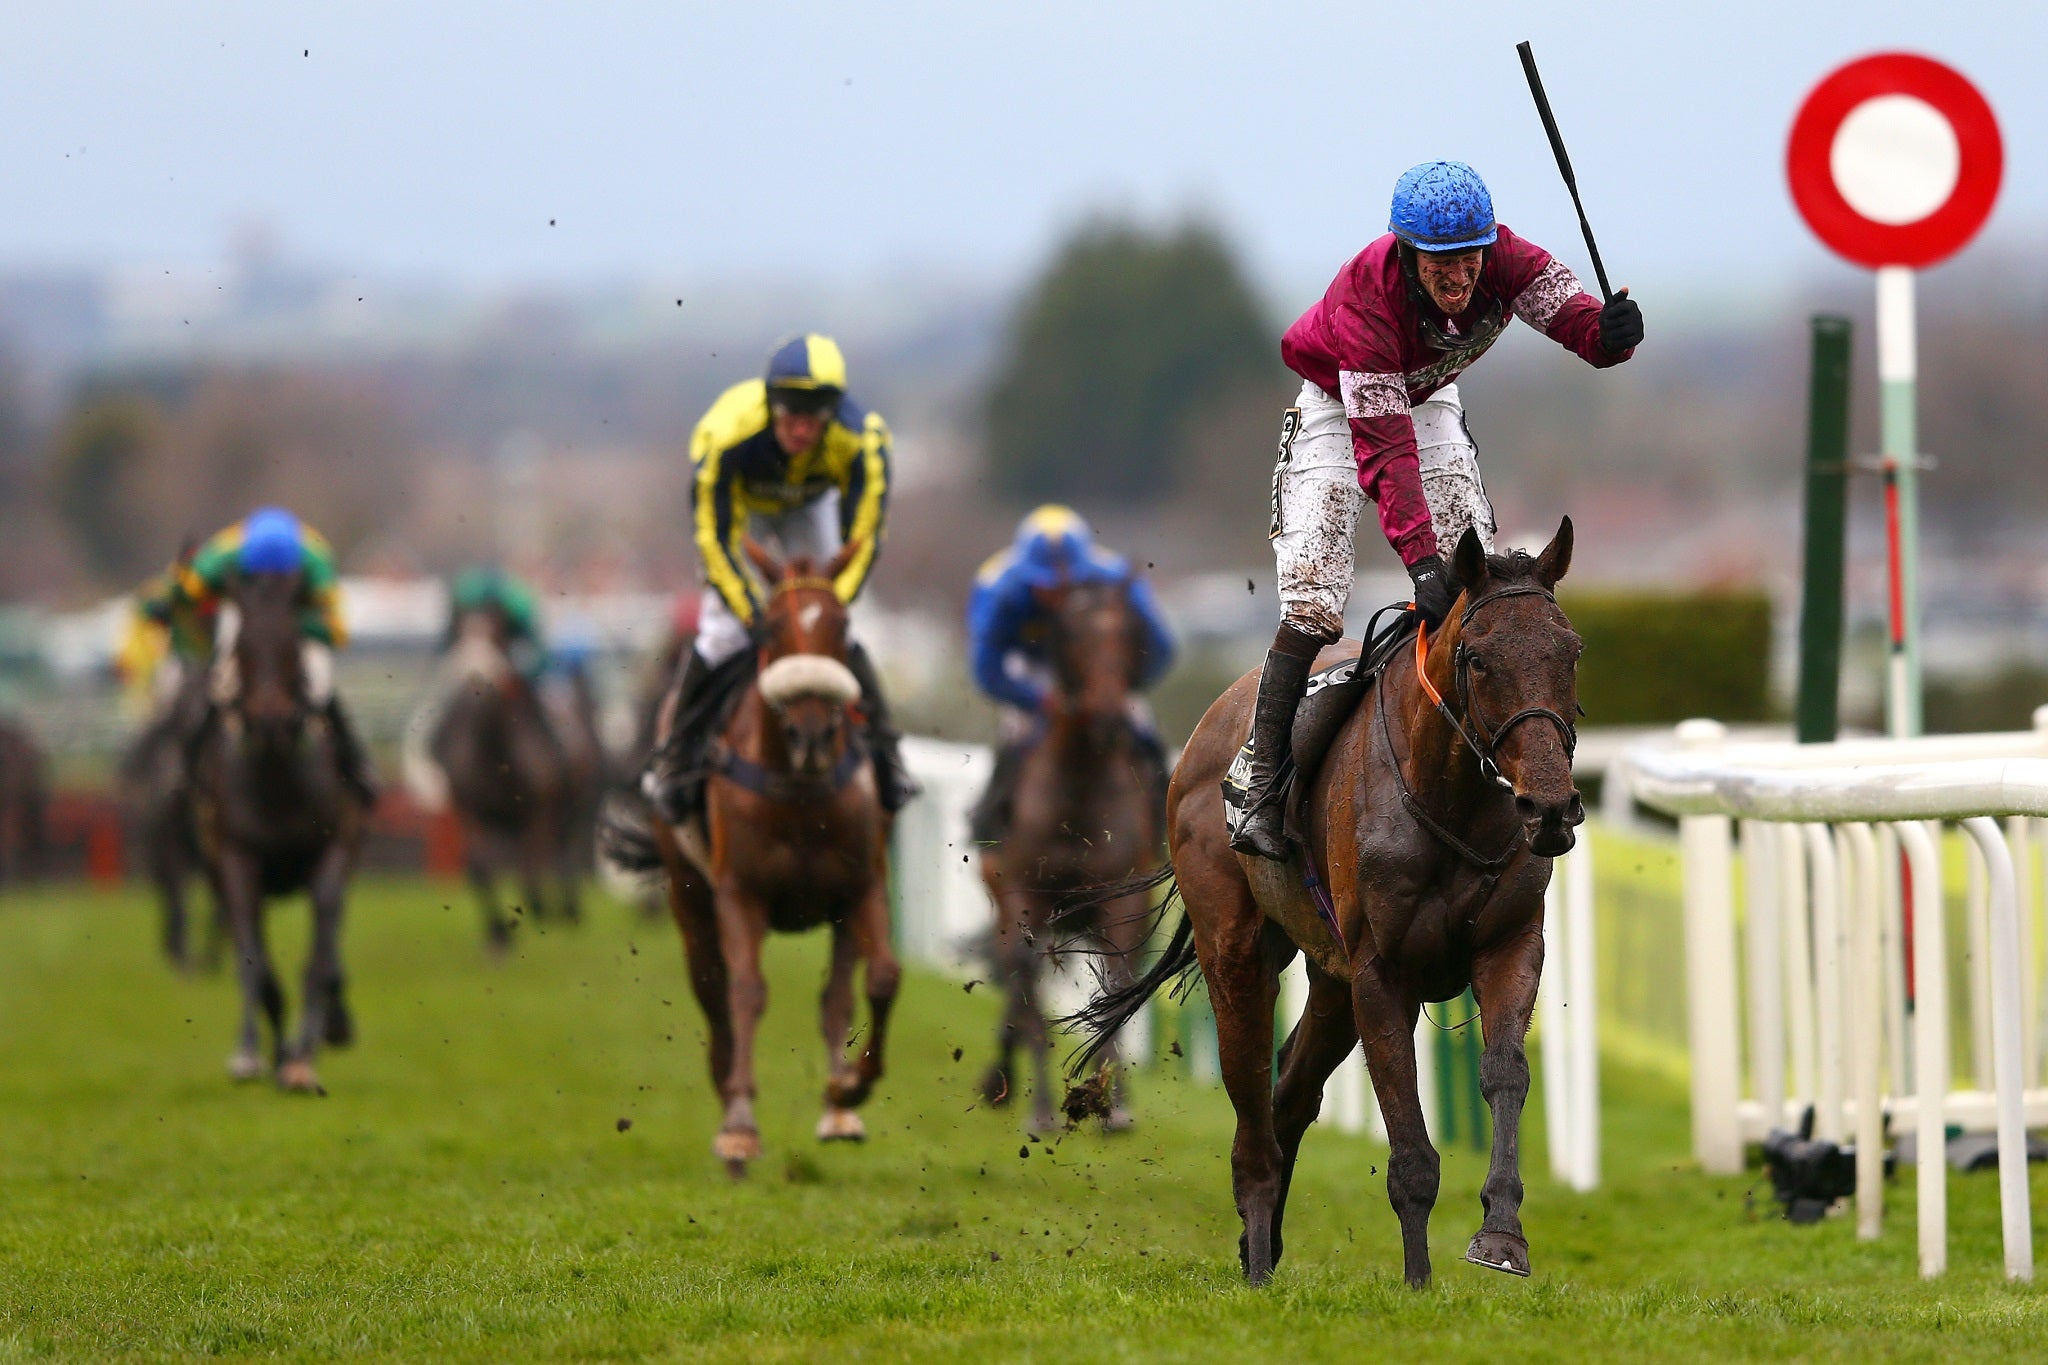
(1564, 814)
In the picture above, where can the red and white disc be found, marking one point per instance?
(1895, 159)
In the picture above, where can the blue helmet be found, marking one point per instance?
(272, 542)
(1052, 543)
(1442, 206)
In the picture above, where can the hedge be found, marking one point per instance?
(1654, 658)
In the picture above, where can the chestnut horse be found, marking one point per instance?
(1433, 821)
(793, 838)
(1084, 814)
(276, 817)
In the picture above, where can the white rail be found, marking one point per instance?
(1825, 949)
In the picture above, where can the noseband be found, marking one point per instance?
(1461, 677)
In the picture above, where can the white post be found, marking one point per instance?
(1551, 1028)
(1866, 979)
(1827, 983)
(1714, 1019)
(1930, 1045)
(1583, 1007)
(2019, 835)
(1977, 921)
(1763, 937)
(2015, 1217)
(1795, 911)
(1892, 932)
(1347, 1094)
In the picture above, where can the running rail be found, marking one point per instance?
(1850, 881)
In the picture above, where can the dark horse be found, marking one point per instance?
(515, 788)
(1084, 814)
(157, 790)
(793, 837)
(276, 817)
(24, 803)
(1433, 824)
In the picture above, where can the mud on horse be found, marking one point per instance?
(1432, 820)
(793, 838)
(276, 817)
(1084, 815)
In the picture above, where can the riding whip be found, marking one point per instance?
(1564, 163)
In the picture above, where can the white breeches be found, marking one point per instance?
(1316, 499)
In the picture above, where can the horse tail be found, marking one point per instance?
(624, 841)
(1113, 1007)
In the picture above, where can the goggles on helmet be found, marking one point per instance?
(819, 402)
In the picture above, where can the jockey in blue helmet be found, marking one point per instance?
(1009, 629)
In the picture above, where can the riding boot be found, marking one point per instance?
(356, 770)
(674, 776)
(1281, 685)
(894, 786)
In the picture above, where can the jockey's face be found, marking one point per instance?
(797, 432)
(1449, 277)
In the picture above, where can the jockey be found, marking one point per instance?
(789, 459)
(1379, 418)
(272, 540)
(168, 640)
(1009, 631)
(512, 600)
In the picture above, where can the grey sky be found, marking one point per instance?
(687, 141)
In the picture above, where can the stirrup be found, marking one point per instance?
(1255, 818)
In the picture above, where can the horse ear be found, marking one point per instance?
(1468, 561)
(766, 564)
(1556, 557)
(837, 564)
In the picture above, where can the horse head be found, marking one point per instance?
(269, 687)
(1514, 660)
(1095, 652)
(802, 650)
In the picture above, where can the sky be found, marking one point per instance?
(566, 144)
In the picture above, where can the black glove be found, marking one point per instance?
(1621, 324)
(1433, 591)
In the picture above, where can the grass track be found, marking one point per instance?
(465, 1193)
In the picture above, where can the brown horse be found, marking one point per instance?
(1433, 821)
(495, 756)
(276, 816)
(1085, 814)
(793, 837)
(156, 788)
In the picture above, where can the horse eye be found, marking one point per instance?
(1478, 664)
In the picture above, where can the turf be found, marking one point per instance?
(468, 1190)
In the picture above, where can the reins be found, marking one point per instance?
(1461, 668)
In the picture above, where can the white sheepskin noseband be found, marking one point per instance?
(808, 675)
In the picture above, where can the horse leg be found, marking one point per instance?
(171, 887)
(475, 859)
(1317, 1046)
(995, 1087)
(742, 927)
(1386, 1026)
(1504, 981)
(691, 905)
(835, 1018)
(321, 1009)
(534, 860)
(1241, 956)
(238, 889)
(1020, 955)
(883, 975)
(1125, 925)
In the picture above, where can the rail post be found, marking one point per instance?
(1711, 1011)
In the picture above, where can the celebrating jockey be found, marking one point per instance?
(788, 458)
(272, 540)
(1009, 636)
(1379, 355)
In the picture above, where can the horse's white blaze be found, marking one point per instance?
(808, 675)
(808, 617)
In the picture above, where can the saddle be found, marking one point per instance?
(1333, 694)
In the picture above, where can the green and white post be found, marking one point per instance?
(1897, 367)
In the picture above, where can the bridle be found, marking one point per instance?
(1461, 678)
(1493, 735)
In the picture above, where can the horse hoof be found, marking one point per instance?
(341, 1027)
(841, 1125)
(297, 1076)
(995, 1088)
(1499, 1251)
(735, 1171)
(1118, 1120)
(245, 1066)
(737, 1147)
